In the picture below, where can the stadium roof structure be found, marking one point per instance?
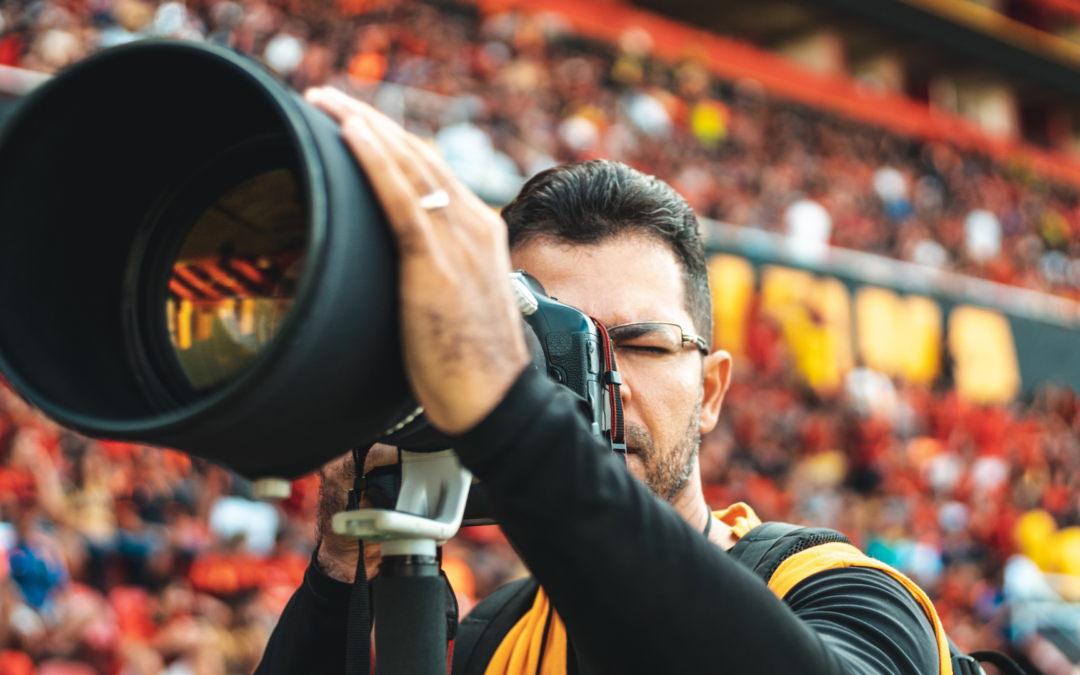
(733, 60)
(964, 27)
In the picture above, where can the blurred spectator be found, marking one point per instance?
(284, 53)
(982, 231)
(257, 522)
(809, 226)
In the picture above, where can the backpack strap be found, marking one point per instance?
(780, 555)
(765, 547)
(482, 631)
(1003, 663)
(962, 664)
(968, 664)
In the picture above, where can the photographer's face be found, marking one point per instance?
(666, 406)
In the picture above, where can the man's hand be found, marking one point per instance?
(338, 553)
(463, 344)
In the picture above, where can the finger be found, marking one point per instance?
(402, 145)
(403, 141)
(396, 193)
(330, 101)
(437, 168)
(412, 164)
(340, 106)
(418, 161)
(419, 150)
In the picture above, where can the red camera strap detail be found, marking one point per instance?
(612, 380)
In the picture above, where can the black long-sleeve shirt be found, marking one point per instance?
(638, 589)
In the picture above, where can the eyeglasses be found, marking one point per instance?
(652, 341)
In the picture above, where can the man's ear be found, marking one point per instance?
(717, 367)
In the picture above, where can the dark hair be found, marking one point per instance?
(591, 202)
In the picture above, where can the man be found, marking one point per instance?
(625, 581)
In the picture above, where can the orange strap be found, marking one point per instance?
(739, 517)
(520, 651)
(836, 555)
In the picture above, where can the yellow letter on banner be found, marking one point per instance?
(876, 327)
(898, 336)
(981, 345)
(815, 317)
(922, 353)
(731, 280)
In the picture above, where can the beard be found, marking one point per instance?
(667, 470)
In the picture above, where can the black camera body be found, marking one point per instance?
(573, 350)
(567, 345)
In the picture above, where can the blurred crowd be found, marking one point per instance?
(119, 559)
(508, 94)
(961, 497)
(130, 560)
(124, 559)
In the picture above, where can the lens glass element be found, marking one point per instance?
(235, 278)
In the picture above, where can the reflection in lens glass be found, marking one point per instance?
(235, 278)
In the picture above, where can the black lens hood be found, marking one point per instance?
(83, 161)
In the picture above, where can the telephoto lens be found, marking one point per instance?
(190, 257)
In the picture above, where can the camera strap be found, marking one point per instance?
(358, 629)
(611, 381)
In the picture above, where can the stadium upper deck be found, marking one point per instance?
(909, 193)
(1010, 66)
(1015, 99)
